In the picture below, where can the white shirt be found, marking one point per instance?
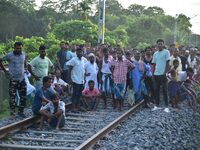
(59, 81)
(106, 67)
(182, 76)
(29, 88)
(93, 70)
(50, 107)
(78, 70)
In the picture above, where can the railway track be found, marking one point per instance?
(81, 131)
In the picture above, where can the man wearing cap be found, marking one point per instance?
(91, 71)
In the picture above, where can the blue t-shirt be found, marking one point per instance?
(37, 103)
(160, 58)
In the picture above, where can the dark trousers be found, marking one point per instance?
(15, 86)
(150, 86)
(161, 80)
(65, 76)
(77, 93)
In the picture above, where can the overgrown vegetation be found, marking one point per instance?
(4, 109)
(77, 21)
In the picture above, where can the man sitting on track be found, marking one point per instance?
(42, 95)
(54, 112)
(91, 96)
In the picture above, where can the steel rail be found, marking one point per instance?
(14, 127)
(96, 137)
(17, 126)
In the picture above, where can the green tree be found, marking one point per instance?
(183, 28)
(113, 7)
(84, 10)
(135, 9)
(151, 11)
(145, 29)
(76, 29)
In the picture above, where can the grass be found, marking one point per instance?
(4, 109)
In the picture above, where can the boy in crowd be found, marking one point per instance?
(91, 96)
(59, 85)
(174, 89)
(54, 112)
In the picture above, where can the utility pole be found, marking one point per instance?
(175, 29)
(101, 21)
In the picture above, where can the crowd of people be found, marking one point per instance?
(87, 75)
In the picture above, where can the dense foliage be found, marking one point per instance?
(76, 22)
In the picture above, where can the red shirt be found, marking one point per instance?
(89, 92)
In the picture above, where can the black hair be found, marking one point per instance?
(79, 49)
(147, 48)
(90, 81)
(160, 40)
(42, 47)
(105, 49)
(18, 44)
(172, 45)
(142, 51)
(53, 96)
(120, 50)
(127, 53)
(46, 79)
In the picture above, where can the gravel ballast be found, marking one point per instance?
(156, 130)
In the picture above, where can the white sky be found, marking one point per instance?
(190, 8)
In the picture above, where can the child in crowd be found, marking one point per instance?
(174, 89)
(187, 87)
(29, 88)
(59, 85)
(54, 112)
(91, 96)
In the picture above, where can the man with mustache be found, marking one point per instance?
(16, 62)
(39, 67)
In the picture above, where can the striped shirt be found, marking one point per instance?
(120, 70)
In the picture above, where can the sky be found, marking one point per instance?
(190, 8)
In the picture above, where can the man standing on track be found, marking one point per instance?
(77, 72)
(119, 69)
(16, 62)
(39, 66)
(161, 60)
